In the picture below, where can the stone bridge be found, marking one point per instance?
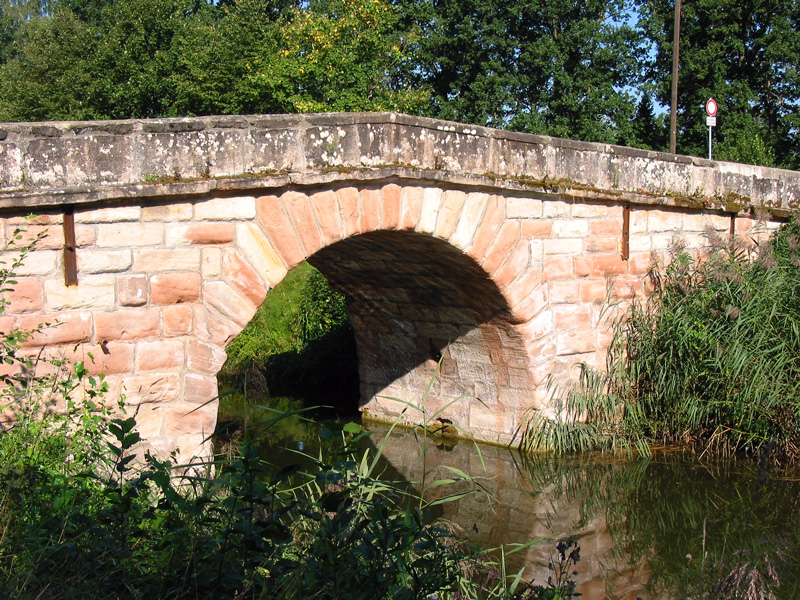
(162, 238)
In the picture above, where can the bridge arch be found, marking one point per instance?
(427, 273)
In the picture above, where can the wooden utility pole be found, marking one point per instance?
(673, 113)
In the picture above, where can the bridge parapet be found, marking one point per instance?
(78, 162)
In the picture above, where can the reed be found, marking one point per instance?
(710, 360)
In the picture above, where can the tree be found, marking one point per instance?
(743, 54)
(557, 67)
(339, 55)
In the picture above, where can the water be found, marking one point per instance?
(667, 527)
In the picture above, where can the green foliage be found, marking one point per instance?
(299, 344)
(556, 68)
(112, 527)
(744, 55)
(157, 58)
(712, 359)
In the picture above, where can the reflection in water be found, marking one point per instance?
(637, 521)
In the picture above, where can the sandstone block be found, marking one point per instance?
(639, 263)
(638, 222)
(563, 292)
(211, 263)
(523, 208)
(493, 219)
(411, 208)
(114, 214)
(167, 212)
(36, 263)
(608, 243)
(350, 204)
(27, 295)
(280, 230)
(515, 265)
(326, 207)
(84, 236)
(391, 204)
(177, 319)
(589, 211)
(108, 359)
(370, 209)
(554, 209)
(123, 235)
(159, 355)
(563, 246)
(103, 261)
(210, 233)
(152, 388)
(571, 316)
(431, 203)
(535, 229)
(298, 207)
(127, 324)
(149, 420)
(241, 208)
(599, 265)
(230, 303)
(449, 213)
(506, 239)
(474, 206)
(189, 418)
(576, 341)
(57, 328)
(532, 304)
(243, 277)
(605, 227)
(558, 267)
(199, 389)
(521, 288)
(204, 358)
(169, 259)
(132, 290)
(175, 288)
(663, 220)
(539, 326)
(593, 290)
(92, 292)
(252, 242)
(570, 228)
(211, 327)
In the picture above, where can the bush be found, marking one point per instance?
(710, 360)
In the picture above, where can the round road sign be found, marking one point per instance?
(711, 107)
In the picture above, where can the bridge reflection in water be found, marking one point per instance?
(636, 520)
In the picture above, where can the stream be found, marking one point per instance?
(668, 526)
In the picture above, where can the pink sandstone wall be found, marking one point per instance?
(510, 286)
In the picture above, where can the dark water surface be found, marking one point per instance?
(664, 527)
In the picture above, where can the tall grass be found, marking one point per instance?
(711, 359)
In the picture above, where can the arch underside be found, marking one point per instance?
(416, 301)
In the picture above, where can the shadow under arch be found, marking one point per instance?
(414, 299)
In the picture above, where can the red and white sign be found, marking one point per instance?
(711, 107)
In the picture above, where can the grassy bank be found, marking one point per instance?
(299, 344)
(710, 360)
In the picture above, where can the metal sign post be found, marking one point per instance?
(711, 120)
